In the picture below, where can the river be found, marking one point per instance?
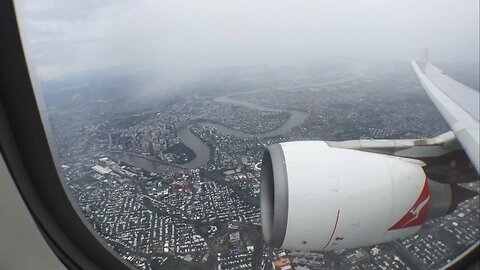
(202, 151)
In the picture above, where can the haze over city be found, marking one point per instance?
(170, 36)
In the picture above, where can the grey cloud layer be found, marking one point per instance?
(68, 36)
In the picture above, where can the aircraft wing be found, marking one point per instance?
(457, 103)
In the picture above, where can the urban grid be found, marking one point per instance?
(172, 181)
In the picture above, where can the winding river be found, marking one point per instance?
(202, 151)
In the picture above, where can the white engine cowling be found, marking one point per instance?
(317, 197)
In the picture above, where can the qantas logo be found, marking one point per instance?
(418, 213)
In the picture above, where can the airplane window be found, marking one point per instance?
(159, 112)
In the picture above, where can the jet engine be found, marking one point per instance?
(317, 197)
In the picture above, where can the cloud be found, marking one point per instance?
(71, 36)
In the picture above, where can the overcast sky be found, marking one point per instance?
(69, 36)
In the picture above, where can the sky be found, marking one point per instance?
(64, 37)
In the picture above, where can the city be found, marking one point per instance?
(173, 182)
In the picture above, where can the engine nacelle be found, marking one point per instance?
(317, 197)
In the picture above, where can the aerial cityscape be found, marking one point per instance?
(172, 180)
